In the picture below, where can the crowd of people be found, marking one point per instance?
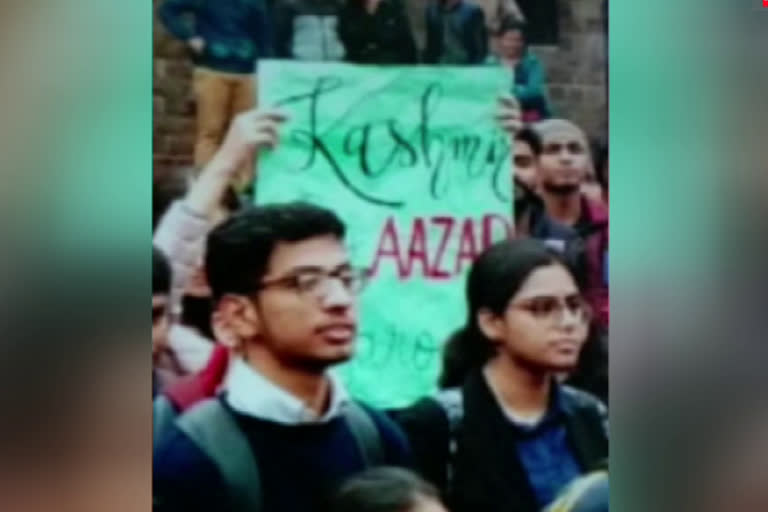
(253, 306)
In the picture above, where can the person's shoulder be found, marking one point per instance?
(582, 399)
(184, 478)
(387, 427)
(179, 457)
(575, 400)
(425, 411)
(598, 211)
(393, 440)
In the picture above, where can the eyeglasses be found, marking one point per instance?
(551, 308)
(316, 282)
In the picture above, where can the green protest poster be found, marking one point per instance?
(412, 159)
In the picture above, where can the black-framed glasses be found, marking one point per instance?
(551, 308)
(315, 282)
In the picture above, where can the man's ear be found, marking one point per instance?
(490, 324)
(237, 320)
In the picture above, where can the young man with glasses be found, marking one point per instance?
(285, 295)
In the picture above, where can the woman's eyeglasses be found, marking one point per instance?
(551, 308)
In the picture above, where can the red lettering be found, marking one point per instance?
(417, 250)
(467, 247)
(447, 223)
(488, 233)
(389, 234)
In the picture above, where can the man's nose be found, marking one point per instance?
(337, 295)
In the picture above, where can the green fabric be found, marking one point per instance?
(412, 159)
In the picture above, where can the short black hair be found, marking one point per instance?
(510, 23)
(239, 249)
(530, 137)
(161, 273)
(382, 489)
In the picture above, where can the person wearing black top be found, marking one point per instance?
(376, 32)
(504, 434)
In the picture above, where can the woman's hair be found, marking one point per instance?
(382, 489)
(496, 276)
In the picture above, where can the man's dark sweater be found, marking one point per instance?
(298, 464)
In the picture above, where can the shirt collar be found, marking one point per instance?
(252, 394)
(552, 415)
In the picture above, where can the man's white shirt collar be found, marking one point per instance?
(252, 394)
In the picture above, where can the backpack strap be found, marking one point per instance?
(366, 434)
(214, 430)
(452, 403)
(163, 417)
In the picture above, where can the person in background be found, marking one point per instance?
(600, 151)
(529, 81)
(505, 434)
(495, 12)
(285, 293)
(226, 37)
(566, 219)
(456, 33)
(386, 489)
(592, 189)
(308, 30)
(376, 32)
(184, 224)
(527, 149)
(165, 368)
(185, 214)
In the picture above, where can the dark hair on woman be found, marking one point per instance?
(496, 276)
(382, 489)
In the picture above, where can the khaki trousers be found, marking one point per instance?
(220, 97)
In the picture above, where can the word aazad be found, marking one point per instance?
(438, 247)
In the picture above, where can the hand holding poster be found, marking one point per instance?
(412, 160)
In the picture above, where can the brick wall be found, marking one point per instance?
(576, 70)
(173, 103)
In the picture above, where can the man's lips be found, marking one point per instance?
(338, 331)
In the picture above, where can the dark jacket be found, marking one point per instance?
(383, 37)
(236, 32)
(468, 22)
(299, 465)
(488, 473)
(308, 30)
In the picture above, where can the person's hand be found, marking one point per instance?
(197, 44)
(508, 115)
(249, 132)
